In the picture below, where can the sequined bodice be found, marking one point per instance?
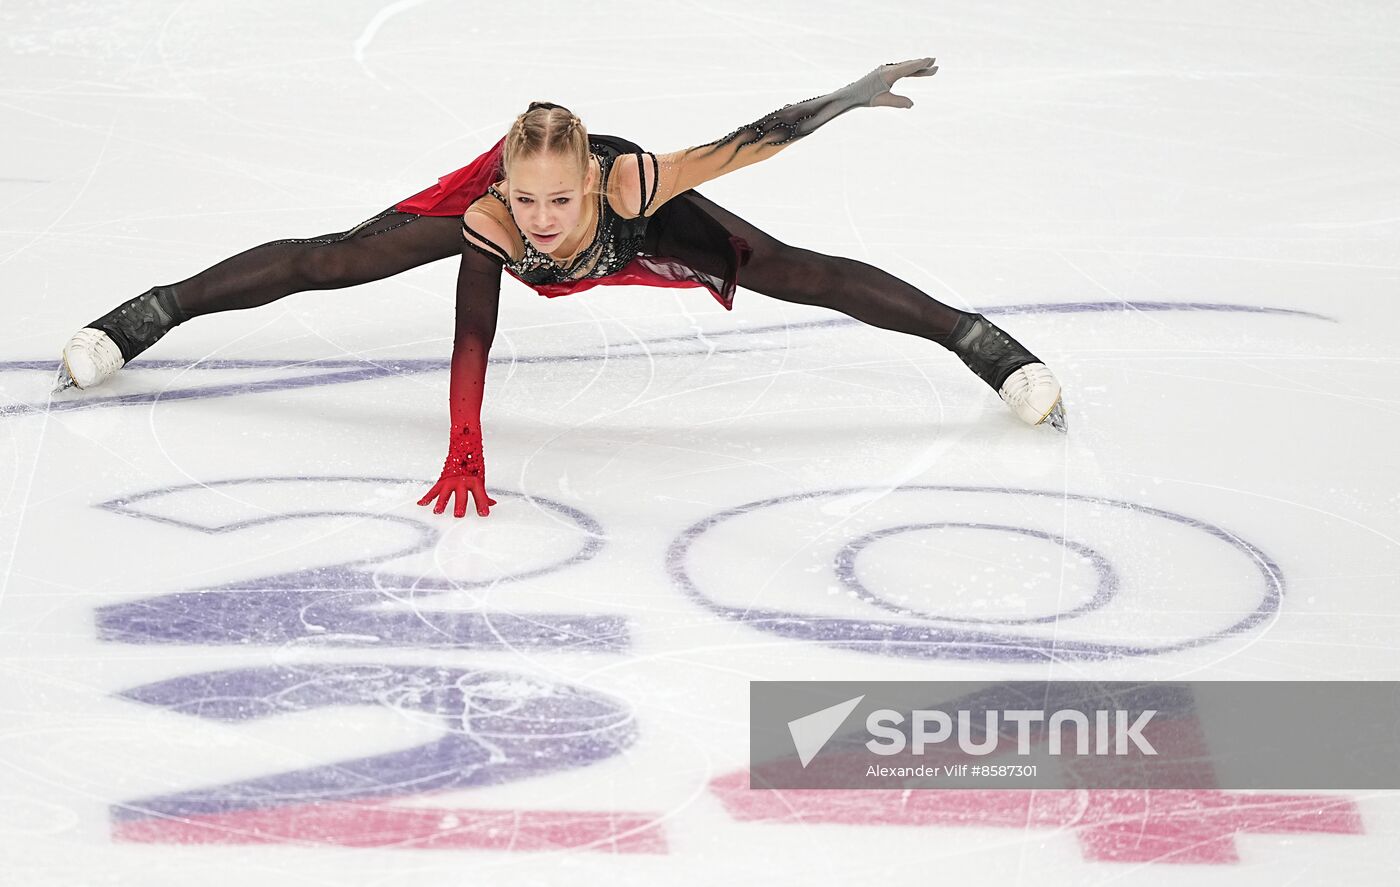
(615, 241)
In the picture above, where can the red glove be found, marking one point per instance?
(463, 472)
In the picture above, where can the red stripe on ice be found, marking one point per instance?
(1165, 826)
(377, 825)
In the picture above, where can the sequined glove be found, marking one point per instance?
(463, 472)
(874, 88)
(796, 121)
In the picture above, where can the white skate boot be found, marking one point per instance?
(107, 344)
(89, 358)
(1033, 393)
(1016, 375)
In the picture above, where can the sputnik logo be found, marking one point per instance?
(811, 732)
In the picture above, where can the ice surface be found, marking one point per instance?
(233, 649)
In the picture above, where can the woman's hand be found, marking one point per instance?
(874, 88)
(463, 472)
(459, 485)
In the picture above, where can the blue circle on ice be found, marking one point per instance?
(848, 574)
(989, 643)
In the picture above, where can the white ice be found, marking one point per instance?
(1173, 167)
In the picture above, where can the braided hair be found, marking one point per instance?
(546, 128)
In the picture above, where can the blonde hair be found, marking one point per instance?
(546, 128)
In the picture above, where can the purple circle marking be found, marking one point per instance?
(848, 575)
(963, 642)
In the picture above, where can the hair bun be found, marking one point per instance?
(549, 106)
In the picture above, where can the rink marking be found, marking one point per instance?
(369, 824)
(943, 638)
(338, 372)
(342, 603)
(1132, 825)
(1126, 826)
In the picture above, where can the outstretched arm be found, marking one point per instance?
(671, 174)
(478, 301)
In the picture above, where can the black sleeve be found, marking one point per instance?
(470, 237)
(648, 198)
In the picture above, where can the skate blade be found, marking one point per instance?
(1056, 418)
(64, 380)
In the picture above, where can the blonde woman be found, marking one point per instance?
(563, 211)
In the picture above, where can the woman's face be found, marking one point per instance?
(546, 194)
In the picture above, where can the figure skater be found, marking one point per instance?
(562, 212)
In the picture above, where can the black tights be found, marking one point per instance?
(393, 242)
(388, 244)
(854, 288)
